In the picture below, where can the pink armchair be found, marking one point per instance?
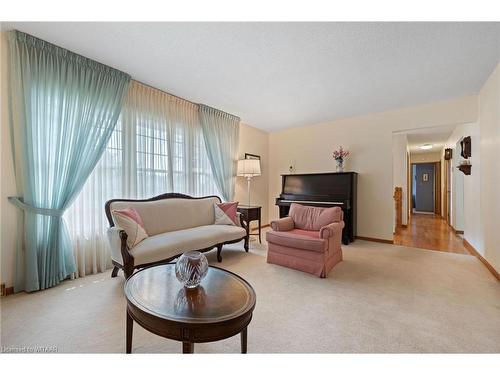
(308, 240)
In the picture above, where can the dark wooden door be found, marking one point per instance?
(424, 187)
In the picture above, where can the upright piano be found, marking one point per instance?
(322, 190)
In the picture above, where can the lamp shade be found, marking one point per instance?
(248, 168)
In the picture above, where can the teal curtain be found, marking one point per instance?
(63, 109)
(221, 134)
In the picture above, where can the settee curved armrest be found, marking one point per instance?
(117, 239)
(331, 230)
(283, 225)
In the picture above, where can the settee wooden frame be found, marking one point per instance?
(128, 265)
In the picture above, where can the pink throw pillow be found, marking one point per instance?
(131, 222)
(226, 213)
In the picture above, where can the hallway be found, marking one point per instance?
(430, 232)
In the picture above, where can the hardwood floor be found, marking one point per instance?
(430, 232)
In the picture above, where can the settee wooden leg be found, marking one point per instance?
(128, 271)
(114, 273)
(219, 250)
(245, 245)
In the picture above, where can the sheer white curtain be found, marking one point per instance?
(165, 149)
(157, 147)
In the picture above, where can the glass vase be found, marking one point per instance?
(191, 268)
(340, 165)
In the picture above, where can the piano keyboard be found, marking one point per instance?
(317, 202)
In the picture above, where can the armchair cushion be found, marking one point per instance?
(314, 218)
(297, 241)
(282, 225)
(170, 244)
(308, 233)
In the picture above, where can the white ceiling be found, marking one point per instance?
(436, 136)
(278, 75)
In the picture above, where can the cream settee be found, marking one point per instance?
(175, 223)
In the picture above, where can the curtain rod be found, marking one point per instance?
(180, 97)
(142, 83)
(165, 92)
(69, 51)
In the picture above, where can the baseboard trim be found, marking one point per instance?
(424, 212)
(375, 240)
(256, 229)
(456, 231)
(8, 291)
(474, 252)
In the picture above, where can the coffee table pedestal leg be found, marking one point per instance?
(243, 335)
(130, 326)
(187, 347)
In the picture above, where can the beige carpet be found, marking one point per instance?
(382, 298)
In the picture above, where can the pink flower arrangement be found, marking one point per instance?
(340, 154)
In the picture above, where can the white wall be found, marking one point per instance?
(369, 138)
(489, 145)
(425, 157)
(457, 181)
(457, 192)
(465, 211)
(399, 171)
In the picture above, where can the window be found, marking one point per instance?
(146, 156)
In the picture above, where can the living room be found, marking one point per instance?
(207, 187)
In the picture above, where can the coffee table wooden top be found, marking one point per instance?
(221, 296)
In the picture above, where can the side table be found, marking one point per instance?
(251, 213)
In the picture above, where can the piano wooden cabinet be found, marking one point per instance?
(322, 190)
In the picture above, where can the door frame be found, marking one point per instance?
(437, 188)
(447, 191)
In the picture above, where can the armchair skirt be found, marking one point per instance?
(317, 263)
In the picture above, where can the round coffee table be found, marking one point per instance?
(220, 307)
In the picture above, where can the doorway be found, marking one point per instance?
(425, 183)
(430, 207)
(423, 191)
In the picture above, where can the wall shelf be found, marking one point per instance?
(465, 169)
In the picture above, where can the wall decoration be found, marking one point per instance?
(448, 153)
(465, 144)
(465, 168)
(252, 156)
